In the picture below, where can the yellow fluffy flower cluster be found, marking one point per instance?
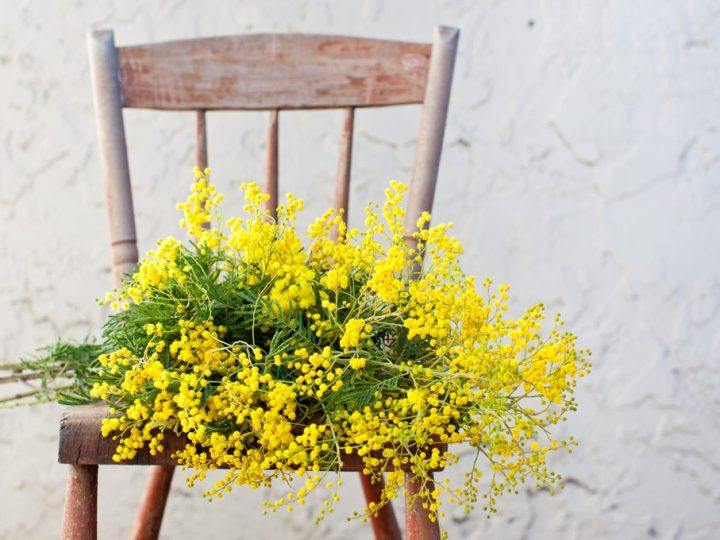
(279, 358)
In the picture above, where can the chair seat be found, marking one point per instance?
(81, 442)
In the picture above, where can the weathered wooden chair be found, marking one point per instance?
(253, 72)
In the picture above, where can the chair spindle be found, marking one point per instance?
(342, 183)
(201, 152)
(271, 187)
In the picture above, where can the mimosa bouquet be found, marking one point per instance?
(277, 357)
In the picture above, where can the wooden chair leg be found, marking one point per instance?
(384, 525)
(418, 525)
(80, 516)
(152, 507)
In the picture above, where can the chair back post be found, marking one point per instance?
(421, 193)
(107, 95)
(432, 126)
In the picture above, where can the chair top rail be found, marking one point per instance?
(273, 71)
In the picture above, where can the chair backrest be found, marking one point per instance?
(267, 72)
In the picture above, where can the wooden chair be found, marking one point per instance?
(252, 72)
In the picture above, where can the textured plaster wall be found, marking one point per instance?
(581, 165)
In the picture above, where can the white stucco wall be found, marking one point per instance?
(581, 165)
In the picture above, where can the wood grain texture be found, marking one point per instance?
(81, 442)
(273, 71)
